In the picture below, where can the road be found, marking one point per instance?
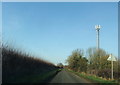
(67, 77)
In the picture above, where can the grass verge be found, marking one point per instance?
(40, 78)
(94, 78)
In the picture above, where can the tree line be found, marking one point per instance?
(94, 63)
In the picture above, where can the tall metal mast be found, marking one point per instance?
(97, 27)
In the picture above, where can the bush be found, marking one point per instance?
(106, 73)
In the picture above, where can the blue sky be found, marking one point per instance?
(53, 30)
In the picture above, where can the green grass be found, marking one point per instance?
(40, 78)
(93, 78)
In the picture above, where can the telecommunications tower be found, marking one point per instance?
(97, 27)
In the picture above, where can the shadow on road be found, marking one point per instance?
(51, 77)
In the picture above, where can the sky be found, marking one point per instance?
(60, 0)
(53, 30)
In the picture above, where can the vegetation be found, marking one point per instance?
(39, 78)
(77, 62)
(60, 65)
(95, 64)
(94, 78)
(99, 65)
(19, 65)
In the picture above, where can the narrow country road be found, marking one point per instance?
(67, 77)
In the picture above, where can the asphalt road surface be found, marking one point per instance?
(67, 77)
